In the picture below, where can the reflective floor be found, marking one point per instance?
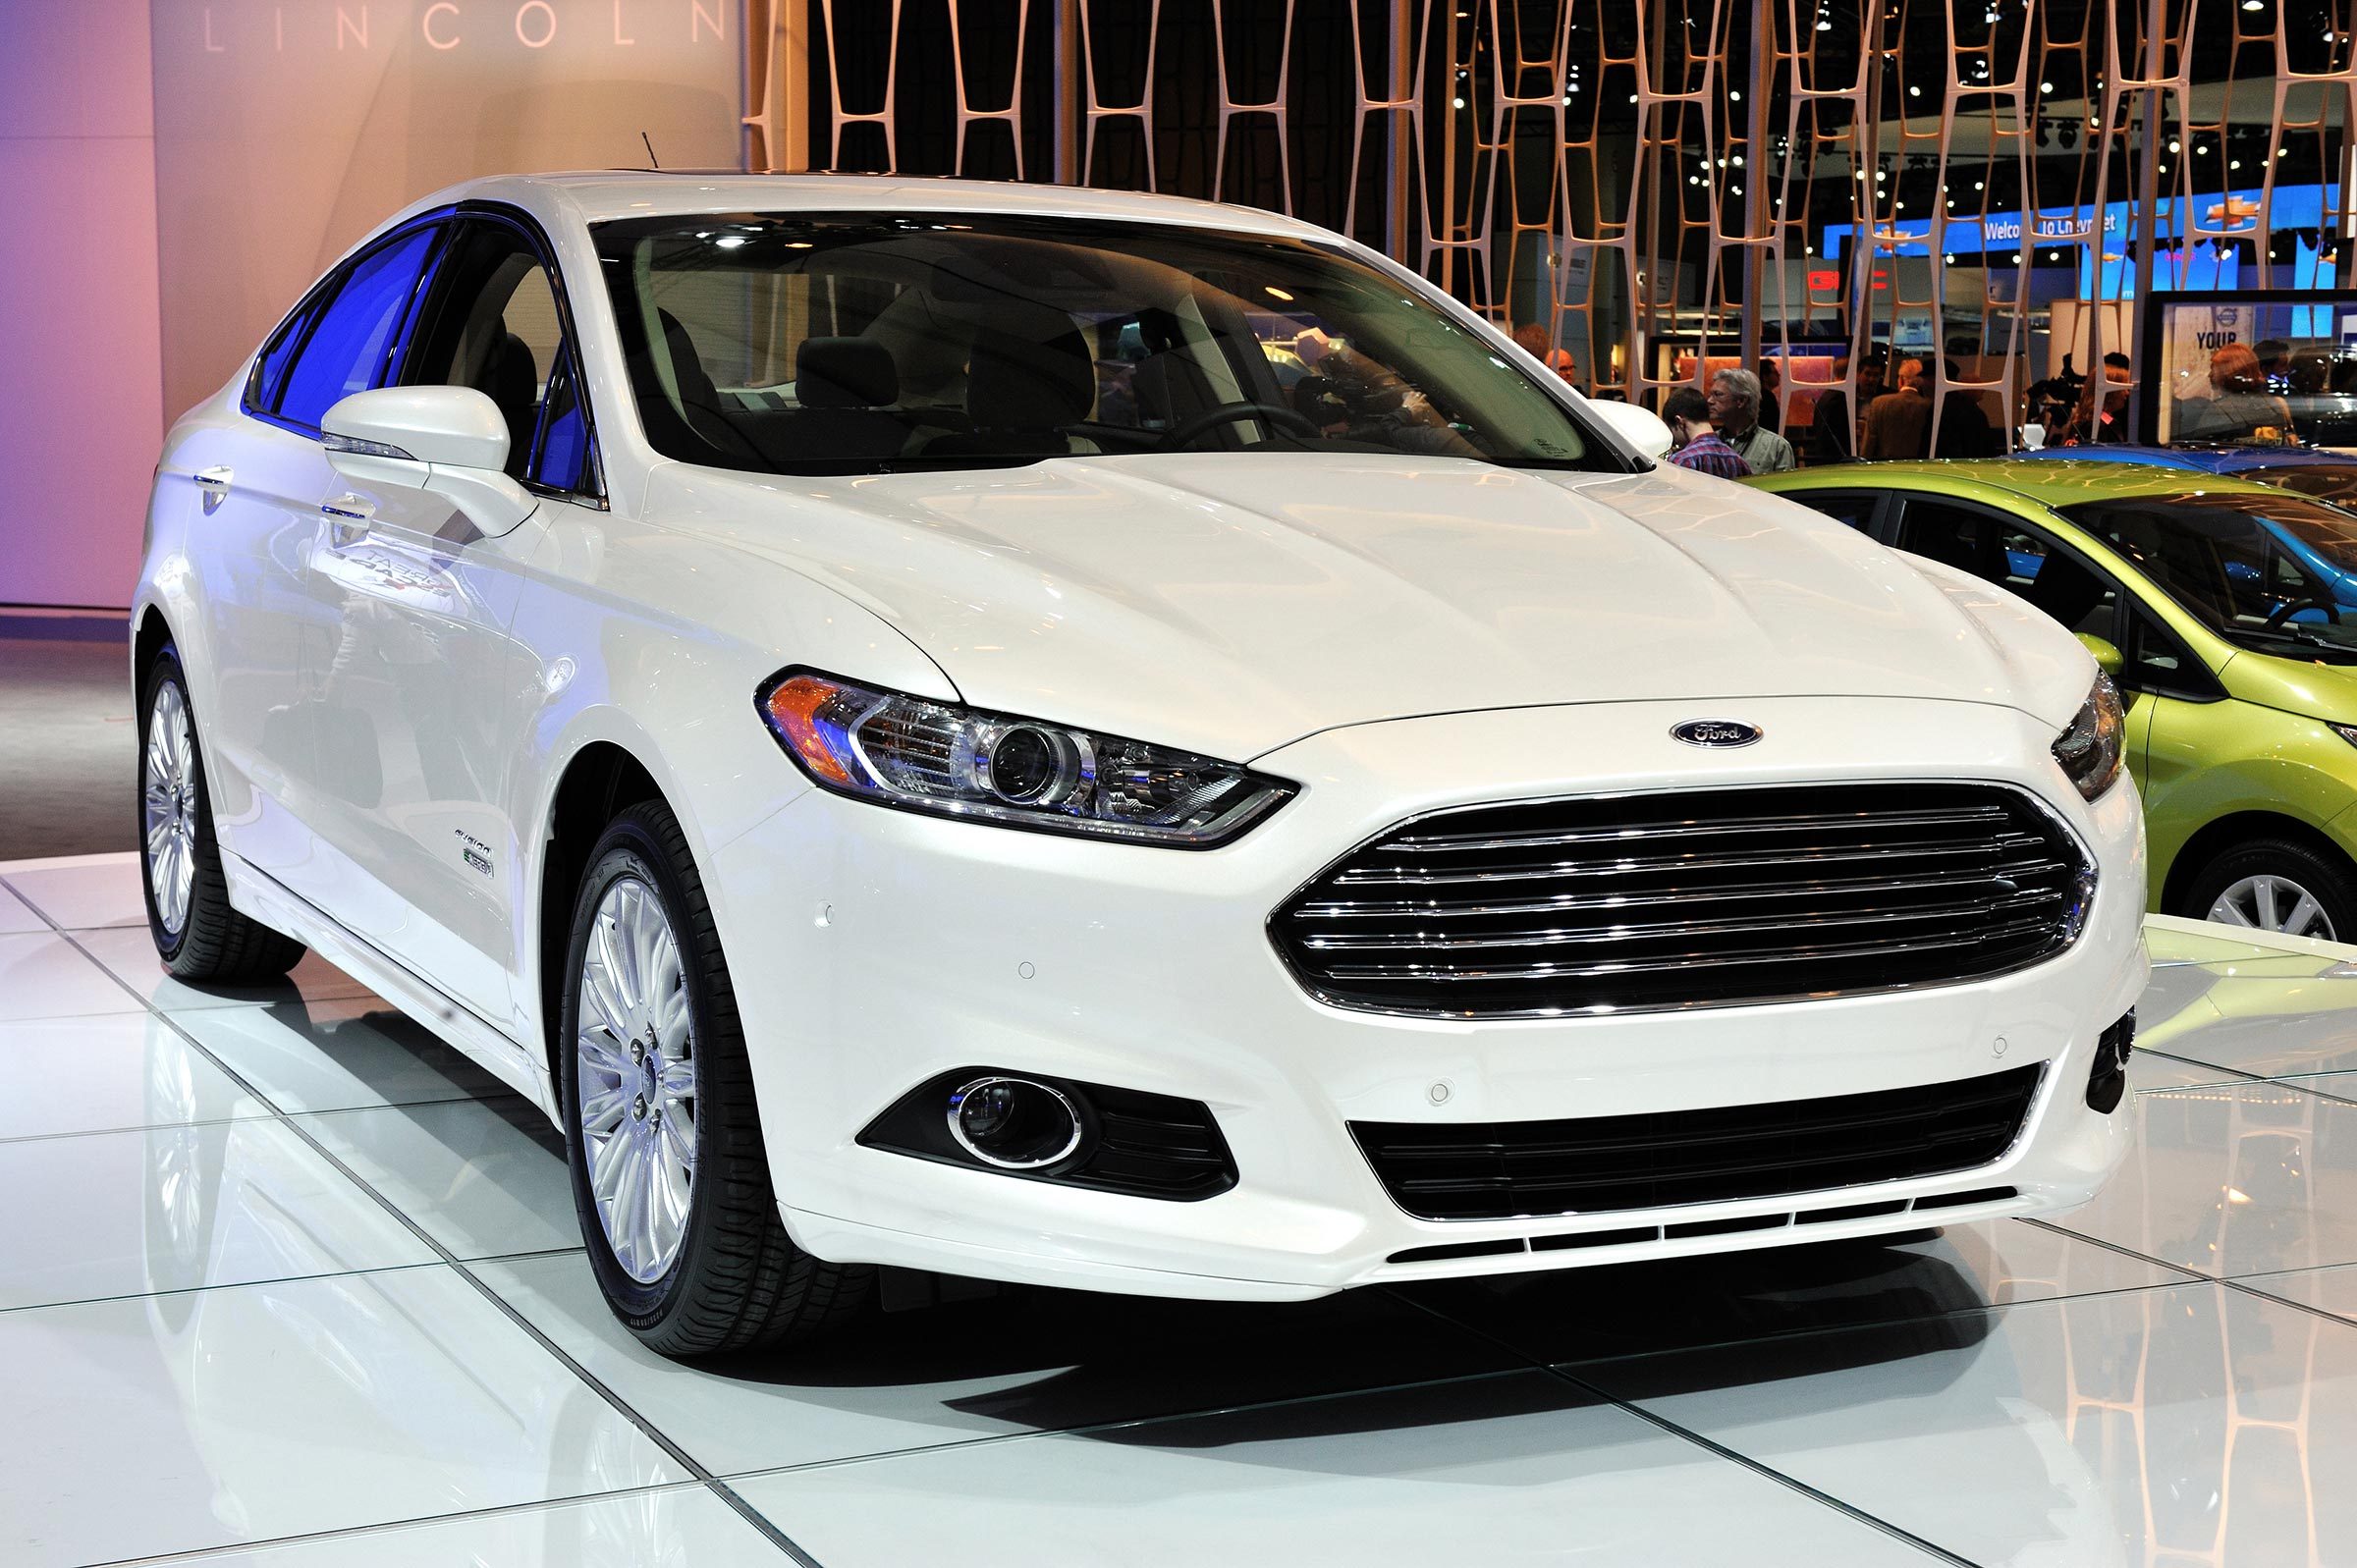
(283, 1281)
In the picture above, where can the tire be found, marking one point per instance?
(197, 935)
(713, 1270)
(2297, 872)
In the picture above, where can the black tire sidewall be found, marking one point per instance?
(2331, 886)
(162, 669)
(628, 849)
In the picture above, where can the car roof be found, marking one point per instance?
(2048, 481)
(2209, 459)
(605, 194)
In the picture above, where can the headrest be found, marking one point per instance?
(1023, 383)
(686, 365)
(844, 373)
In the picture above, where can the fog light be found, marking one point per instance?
(1013, 1123)
(2108, 1080)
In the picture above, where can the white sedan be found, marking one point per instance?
(1110, 742)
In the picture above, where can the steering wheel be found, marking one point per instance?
(1228, 413)
(2286, 611)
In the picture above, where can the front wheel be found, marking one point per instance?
(2276, 885)
(197, 934)
(669, 1174)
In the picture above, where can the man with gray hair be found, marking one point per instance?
(1735, 410)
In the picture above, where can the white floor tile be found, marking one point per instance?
(1518, 1469)
(2193, 1425)
(17, 916)
(1029, 1362)
(47, 977)
(2332, 1291)
(2150, 1069)
(176, 1423)
(176, 1208)
(336, 1054)
(2269, 1018)
(674, 1527)
(127, 951)
(84, 894)
(112, 1071)
(2337, 1085)
(482, 1177)
(2234, 1179)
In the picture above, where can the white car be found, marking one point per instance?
(876, 707)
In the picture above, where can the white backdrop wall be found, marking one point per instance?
(179, 171)
(81, 349)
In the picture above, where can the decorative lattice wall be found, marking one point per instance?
(1655, 182)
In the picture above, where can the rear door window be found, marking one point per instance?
(350, 336)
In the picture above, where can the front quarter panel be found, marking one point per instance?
(657, 643)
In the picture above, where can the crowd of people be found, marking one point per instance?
(1731, 426)
(1731, 430)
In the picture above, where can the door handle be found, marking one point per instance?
(348, 518)
(216, 478)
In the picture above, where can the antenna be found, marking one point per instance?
(650, 150)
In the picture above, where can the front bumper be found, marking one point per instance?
(873, 949)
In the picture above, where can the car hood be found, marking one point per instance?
(1232, 603)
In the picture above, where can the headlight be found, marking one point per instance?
(2090, 750)
(899, 750)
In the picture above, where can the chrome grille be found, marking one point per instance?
(1704, 898)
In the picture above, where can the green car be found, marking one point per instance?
(2215, 604)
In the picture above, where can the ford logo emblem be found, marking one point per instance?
(1718, 732)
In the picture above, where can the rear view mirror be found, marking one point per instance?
(1638, 428)
(451, 441)
(2108, 658)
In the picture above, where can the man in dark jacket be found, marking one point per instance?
(1833, 435)
(1964, 429)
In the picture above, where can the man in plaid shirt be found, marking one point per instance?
(1695, 444)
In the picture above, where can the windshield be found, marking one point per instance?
(868, 343)
(2272, 572)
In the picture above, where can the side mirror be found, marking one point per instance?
(2108, 658)
(451, 441)
(1638, 428)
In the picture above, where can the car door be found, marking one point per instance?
(260, 478)
(422, 677)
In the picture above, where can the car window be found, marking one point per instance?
(2156, 660)
(1856, 508)
(349, 338)
(2001, 548)
(817, 344)
(492, 323)
(2326, 481)
(270, 370)
(2268, 570)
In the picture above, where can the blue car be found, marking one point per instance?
(2327, 476)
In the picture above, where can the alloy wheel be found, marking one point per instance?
(636, 1080)
(167, 807)
(2272, 903)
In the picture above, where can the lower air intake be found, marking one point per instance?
(1598, 1164)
